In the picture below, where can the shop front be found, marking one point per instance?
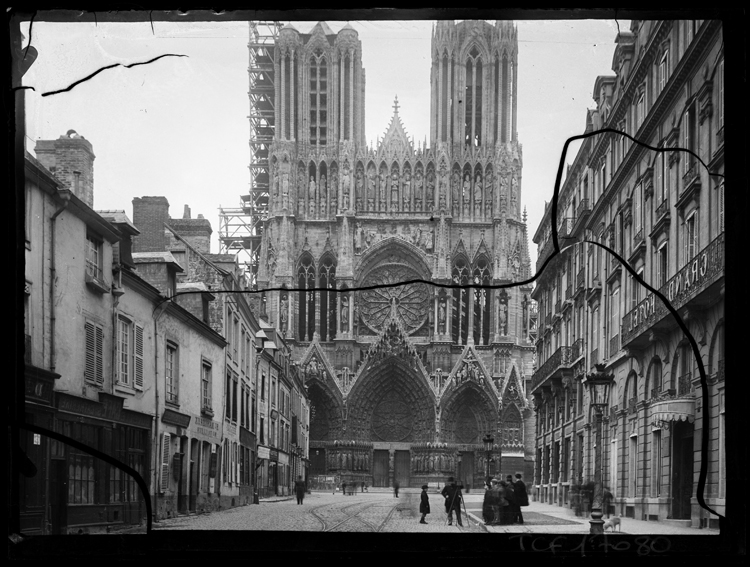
(89, 494)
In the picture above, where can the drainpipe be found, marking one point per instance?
(155, 453)
(63, 194)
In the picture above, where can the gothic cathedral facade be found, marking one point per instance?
(405, 381)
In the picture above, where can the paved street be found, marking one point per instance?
(381, 512)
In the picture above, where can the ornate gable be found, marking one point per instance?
(315, 365)
(396, 143)
(512, 391)
(470, 368)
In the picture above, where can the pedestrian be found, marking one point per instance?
(395, 488)
(606, 500)
(343, 488)
(363, 487)
(503, 504)
(424, 505)
(487, 505)
(299, 488)
(522, 496)
(514, 508)
(453, 500)
(496, 497)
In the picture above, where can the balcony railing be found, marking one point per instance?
(638, 238)
(654, 393)
(562, 357)
(576, 350)
(631, 404)
(690, 177)
(581, 277)
(662, 208)
(558, 306)
(568, 292)
(684, 385)
(594, 357)
(613, 413)
(705, 268)
(547, 319)
(566, 227)
(544, 252)
(583, 207)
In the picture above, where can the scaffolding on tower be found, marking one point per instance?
(240, 228)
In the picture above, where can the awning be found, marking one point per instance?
(680, 409)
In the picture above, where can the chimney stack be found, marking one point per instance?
(150, 214)
(186, 213)
(196, 232)
(70, 159)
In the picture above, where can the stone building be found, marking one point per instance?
(663, 213)
(404, 381)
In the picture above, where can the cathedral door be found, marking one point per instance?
(402, 465)
(380, 468)
(466, 469)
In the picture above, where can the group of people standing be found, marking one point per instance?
(503, 501)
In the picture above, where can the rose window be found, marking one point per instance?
(411, 301)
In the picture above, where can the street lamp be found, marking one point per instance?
(263, 344)
(598, 386)
(488, 441)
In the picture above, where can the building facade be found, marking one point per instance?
(404, 381)
(663, 213)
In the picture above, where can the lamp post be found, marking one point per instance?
(263, 344)
(488, 441)
(598, 386)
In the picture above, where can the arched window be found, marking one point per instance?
(511, 432)
(318, 73)
(306, 299)
(653, 382)
(460, 307)
(630, 396)
(482, 303)
(328, 299)
(474, 89)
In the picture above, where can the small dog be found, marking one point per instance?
(613, 522)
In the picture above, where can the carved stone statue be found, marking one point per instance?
(313, 187)
(513, 191)
(345, 313)
(394, 191)
(441, 316)
(284, 313)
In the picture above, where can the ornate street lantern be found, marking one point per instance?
(488, 441)
(598, 385)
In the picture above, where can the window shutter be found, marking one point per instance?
(99, 355)
(90, 371)
(166, 439)
(138, 350)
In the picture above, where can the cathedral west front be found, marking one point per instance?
(405, 381)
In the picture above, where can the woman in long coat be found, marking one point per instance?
(504, 504)
(487, 505)
(424, 504)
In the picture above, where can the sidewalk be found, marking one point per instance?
(572, 524)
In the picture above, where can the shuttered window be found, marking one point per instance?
(165, 451)
(138, 357)
(94, 337)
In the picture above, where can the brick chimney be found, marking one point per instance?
(196, 232)
(71, 159)
(150, 214)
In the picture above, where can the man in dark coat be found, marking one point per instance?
(487, 504)
(513, 509)
(343, 488)
(395, 488)
(424, 505)
(299, 489)
(522, 497)
(453, 500)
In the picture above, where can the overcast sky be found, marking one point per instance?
(178, 127)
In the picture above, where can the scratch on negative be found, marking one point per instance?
(92, 75)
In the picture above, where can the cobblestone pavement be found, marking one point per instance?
(381, 512)
(368, 512)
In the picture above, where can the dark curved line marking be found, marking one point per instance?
(556, 250)
(701, 369)
(95, 73)
(102, 456)
(22, 88)
(31, 24)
